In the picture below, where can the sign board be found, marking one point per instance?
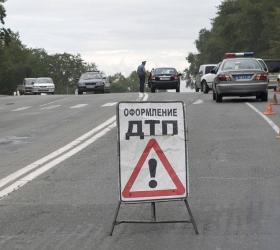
(152, 151)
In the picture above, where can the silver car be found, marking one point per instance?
(93, 81)
(240, 76)
(43, 85)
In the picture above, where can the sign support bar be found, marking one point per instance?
(153, 218)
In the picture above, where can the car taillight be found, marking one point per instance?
(261, 77)
(176, 77)
(153, 78)
(224, 78)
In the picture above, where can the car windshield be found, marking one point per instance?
(241, 64)
(209, 68)
(273, 66)
(30, 80)
(91, 75)
(44, 80)
(168, 71)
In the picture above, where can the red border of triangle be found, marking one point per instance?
(179, 190)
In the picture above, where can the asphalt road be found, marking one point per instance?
(68, 199)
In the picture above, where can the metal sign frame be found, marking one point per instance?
(154, 201)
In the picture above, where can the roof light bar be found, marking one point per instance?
(240, 54)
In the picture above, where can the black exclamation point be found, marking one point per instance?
(153, 169)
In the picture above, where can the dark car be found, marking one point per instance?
(240, 74)
(164, 78)
(273, 66)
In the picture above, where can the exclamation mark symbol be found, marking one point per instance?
(153, 168)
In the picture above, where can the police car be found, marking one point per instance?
(240, 74)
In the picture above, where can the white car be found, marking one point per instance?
(207, 82)
(203, 70)
(43, 85)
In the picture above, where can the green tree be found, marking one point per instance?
(4, 33)
(119, 83)
(13, 64)
(240, 25)
(65, 69)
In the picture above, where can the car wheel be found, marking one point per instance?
(178, 89)
(80, 92)
(153, 90)
(264, 97)
(205, 87)
(219, 98)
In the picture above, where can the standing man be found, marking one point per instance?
(141, 74)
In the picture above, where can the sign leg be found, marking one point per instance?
(115, 218)
(153, 206)
(191, 216)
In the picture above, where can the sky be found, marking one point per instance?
(115, 34)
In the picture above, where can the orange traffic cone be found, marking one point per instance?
(268, 110)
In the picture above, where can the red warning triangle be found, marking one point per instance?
(179, 190)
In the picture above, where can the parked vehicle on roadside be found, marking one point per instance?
(26, 87)
(203, 70)
(43, 85)
(240, 74)
(273, 66)
(207, 80)
(164, 78)
(93, 81)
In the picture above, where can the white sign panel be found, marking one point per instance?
(152, 151)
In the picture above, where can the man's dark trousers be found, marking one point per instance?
(142, 83)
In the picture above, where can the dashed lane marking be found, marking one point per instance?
(109, 104)
(79, 106)
(50, 107)
(22, 108)
(270, 122)
(21, 177)
(199, 101)
(46, 104)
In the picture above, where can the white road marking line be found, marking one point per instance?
(31, 176)
(54, 154)
(199, 101)
(78, 106)
(109, 104)
(40, 167)
(50, 107)
(145, 98)
(46, 104)
(270, 122)
(22, 108)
